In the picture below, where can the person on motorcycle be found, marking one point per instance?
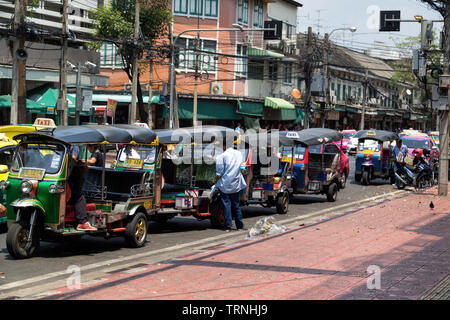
(400, 152)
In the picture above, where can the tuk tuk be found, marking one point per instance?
(118, 203)
(188, 171)
(7, 147)
(268, 170)
(374, 156)
(317, 162)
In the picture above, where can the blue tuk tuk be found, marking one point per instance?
(374, 156)
(317, 162)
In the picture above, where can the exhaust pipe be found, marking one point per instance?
(400, 178)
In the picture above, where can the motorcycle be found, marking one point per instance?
(421, 175)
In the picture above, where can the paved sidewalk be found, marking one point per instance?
(404, 239)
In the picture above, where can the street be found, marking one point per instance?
(179, 236)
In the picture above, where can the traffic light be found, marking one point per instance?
(389, 25)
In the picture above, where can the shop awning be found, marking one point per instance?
(278, 103)
(288, 114)
(251, 108)
(208, 109)
(256, 52)
(5, 101)
(50, 98)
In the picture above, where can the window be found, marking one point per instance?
(180, 6)
(211, 8)
(332, 86)
(273, 71)
(185, 59)
(288, 73)
(338, 93)
(359, 92)
(6, 155)
(289, 31)
(241, 63)
(242, 13)
(109, 56)
(196, 7)
(255, 69)
(344, 92)
(258, 14)
(207, 8)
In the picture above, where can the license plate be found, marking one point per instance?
(313, 186)
(257, 194)
(31, 173)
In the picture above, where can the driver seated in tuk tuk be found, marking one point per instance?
(77, 198)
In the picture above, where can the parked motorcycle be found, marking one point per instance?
(421, 175)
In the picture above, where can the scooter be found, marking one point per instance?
(421, 176)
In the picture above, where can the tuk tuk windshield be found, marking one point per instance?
(48, 157)
(148, 153)
(369, 144)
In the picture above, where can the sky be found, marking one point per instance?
(365, 16)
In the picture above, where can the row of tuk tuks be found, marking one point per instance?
(155, 175)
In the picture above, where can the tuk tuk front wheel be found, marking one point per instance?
(136, 231)
(366, 178)
(332, 192)
(16, 240)
(283, 203)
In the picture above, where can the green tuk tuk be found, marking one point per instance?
(118, 203)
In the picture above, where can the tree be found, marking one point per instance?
(116, 24)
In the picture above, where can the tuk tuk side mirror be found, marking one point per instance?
(3, 169)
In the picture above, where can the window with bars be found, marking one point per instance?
(207, 8)
(242, 14)
(109, 56)
(273, 71)
(258, 14)
(287, 73)
(185, 58)
(241, 63)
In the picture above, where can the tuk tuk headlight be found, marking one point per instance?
(55, 188)
(4, 184)
(367, 157)
(26, 186)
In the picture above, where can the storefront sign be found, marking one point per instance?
(333, 115)
(111, 108)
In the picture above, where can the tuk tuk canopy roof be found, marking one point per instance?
(380, 135)
(97, 134)
(207, 134)
(313, 136)
(267, 138)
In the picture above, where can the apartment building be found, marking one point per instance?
(240, 75)
(44, 50)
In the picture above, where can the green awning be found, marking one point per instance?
(251, 108)
(288, 114)
(256, 52)
(339, 108)
(300, 115)
(50, 98)
(5, 101)
(278, 103)
(208, 109)
(351, 110)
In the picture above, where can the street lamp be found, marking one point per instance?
(236, 27)
(352, 29)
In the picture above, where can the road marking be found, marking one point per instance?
(181, 246)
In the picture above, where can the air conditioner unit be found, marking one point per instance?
(217, 88)
(283, 45)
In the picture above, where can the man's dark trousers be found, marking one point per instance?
(231, 206)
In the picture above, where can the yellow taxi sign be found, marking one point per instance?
(45, 122)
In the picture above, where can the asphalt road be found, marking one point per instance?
(177, 232)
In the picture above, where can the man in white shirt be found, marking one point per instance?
(230, 182)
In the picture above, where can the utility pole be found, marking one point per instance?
(150, 93)
(171, 79)
(327, 76)
(194, 111)
(443, 114)
(308, 73)
(132, 111)
(78, 98)
(62, 108)
(363, 113)
(15, 91)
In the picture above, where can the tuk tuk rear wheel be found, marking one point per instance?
(332, 192)
(136, 231)
(366, 178)
(16, 240)
(217, 218)
(283, 203)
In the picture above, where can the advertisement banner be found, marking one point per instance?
(111, 108)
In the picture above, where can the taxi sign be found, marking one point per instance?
(31, 173)
(292, 134)
(141, 124)
(45, 122)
